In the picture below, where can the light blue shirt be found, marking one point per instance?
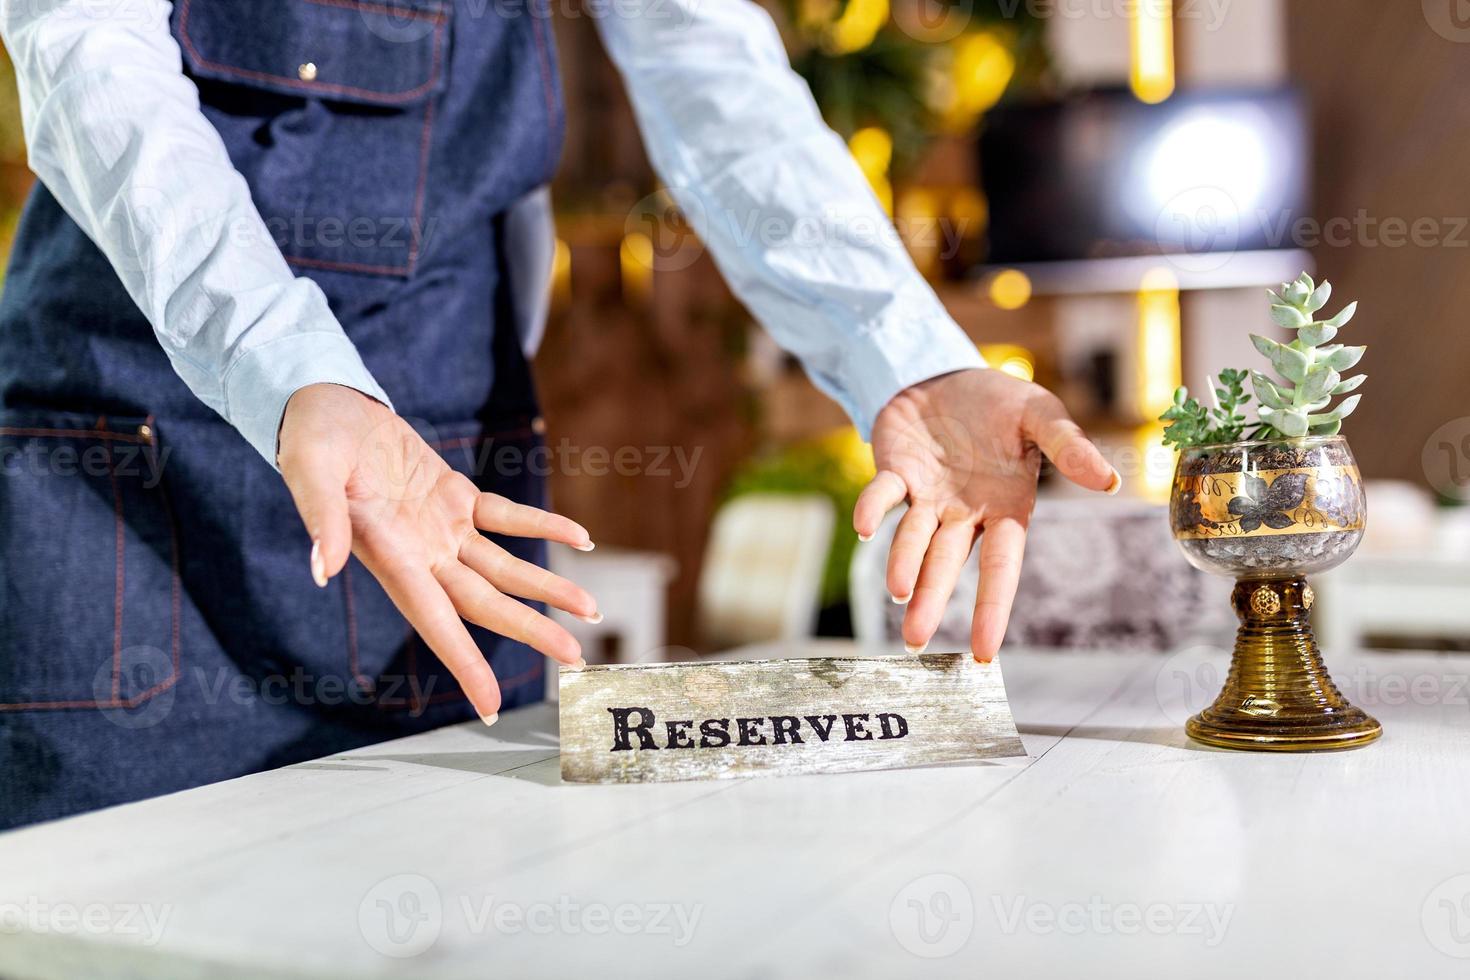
(114, 131)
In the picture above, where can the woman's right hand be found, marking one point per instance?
(365, 483)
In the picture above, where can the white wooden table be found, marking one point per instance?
(1119, 850)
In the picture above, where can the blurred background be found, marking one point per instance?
(1099, 191)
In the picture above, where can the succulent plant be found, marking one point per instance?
(1310, 367)
(1293, 405)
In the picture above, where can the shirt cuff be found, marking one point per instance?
(880, 363)
(259, 384)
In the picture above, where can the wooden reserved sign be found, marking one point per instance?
(663, 722)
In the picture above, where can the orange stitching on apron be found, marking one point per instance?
(543, 59)
(117, 594)
(177, 602)
(72, 434)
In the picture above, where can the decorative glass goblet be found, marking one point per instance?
(1269, 513)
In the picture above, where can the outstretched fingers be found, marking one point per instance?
(1047, 424)
(426, 606)
(948, 550)
(483, 605)
(514, 576)
(499, 515)
(883, 493)
(1001, 547)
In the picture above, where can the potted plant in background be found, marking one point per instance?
(1269, 502)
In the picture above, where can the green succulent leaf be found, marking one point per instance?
(1344, 315)
(1289, 317)
(1316, 334)
(1269, 392)
(1346, 386)
(1319, 297)
(1327, 428)
(1289, 422)
(1319, 383)
(1343, 358)
(1339, 413)
(1291, 364)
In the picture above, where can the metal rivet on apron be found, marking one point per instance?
(307, 72)
(145, 432)
(538, 426)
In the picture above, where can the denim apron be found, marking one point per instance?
(159, 628)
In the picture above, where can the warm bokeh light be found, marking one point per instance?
(916, 213)
(969, 205)
(561, 271)
(1010, 289)
(1151, 72)
(872, 148)
(859, 24)
(1010, 359)
(1157, 463)
(853, 456)
(1159, 368)
(636, 259)
(981, 70)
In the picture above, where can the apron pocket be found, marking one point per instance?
(89, 564)
(326, 107)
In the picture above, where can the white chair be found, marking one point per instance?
(762, 574)
(631, 589)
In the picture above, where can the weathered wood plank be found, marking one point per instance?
(665, 722)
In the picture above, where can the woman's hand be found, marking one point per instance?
(366, 483)
(965, 449)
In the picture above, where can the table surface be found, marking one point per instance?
(1117, 849)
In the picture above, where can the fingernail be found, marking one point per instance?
(865, 538)
(584, 547)
(318, 567)
(594, 619)
(902, 600)
(490, 719)
(578, 664)
(913, 650)
(1116, 485)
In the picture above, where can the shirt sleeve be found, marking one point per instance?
(114, 130)
(775, 195)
